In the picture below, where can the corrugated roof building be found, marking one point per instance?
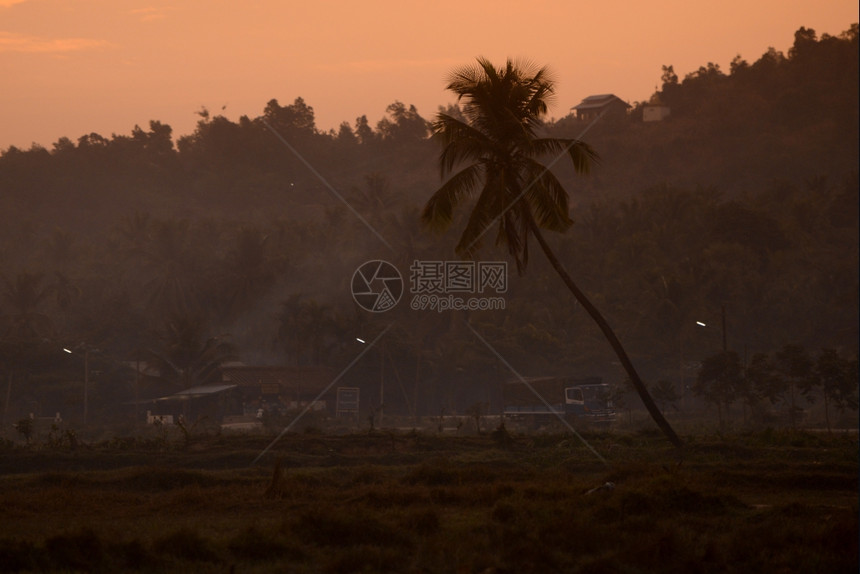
(292, 386)
(593, 106)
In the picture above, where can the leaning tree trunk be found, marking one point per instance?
(647, 400)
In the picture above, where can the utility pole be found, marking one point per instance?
(86, 382)
(86, 350)
(381, 381)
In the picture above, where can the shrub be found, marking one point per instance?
(253, 545)
(327, 527)
(137, 556)
(18, 555)
(82, 550)
(186, 544)
(504, 512)
(366, 558)
(430, 474)
(424, 522)
(502, 437)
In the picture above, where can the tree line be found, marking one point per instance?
(790, 376)
(224, 245)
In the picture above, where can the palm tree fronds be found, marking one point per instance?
(502, 109)
(546, 197)
(438, 212)
(581, 154)
(486, 212)
(461, 142)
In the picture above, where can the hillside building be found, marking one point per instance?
(606, 104)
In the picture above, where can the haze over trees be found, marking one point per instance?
(744, 197)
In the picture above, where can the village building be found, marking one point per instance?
(280, 388)
(606, 104)
(655, 111)
(247, 393)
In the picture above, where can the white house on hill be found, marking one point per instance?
(655, 111)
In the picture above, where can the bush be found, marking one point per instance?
(187, 545)
(256, 546)
(18, 555)
(331, 528)
(82, 550)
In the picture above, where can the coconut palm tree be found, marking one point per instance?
(23, 325)
(24, 297)
(186, 355)
(497, 139)
(250, 269)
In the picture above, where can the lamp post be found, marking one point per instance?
(86, 351)
(681, 346)
(723, 320)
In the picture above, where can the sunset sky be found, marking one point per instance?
(72, 67)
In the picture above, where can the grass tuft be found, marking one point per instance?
(326, 528)
(18, 556)
(258, 546)
(82, 550)
(186, 544)
(431, 473)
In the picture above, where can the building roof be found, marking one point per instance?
(306, 379)
(598, 101)
(196, 392)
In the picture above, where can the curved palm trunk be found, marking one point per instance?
(647, 400)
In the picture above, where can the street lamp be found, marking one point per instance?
(723, 317)
(86, 350)
(681, 346)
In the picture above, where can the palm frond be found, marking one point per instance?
(461, 142)
(502, 110)
(547, 199)
(438, 212)
(484, 215)
(513, 234)
(581, 154)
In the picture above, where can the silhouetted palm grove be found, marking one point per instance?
(224, 245)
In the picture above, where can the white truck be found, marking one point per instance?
(538, 400)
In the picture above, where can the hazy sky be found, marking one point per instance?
(71, 67)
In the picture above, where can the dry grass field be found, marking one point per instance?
(774, 501)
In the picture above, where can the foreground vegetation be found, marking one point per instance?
(422, 502)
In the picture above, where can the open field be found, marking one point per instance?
(773, 501)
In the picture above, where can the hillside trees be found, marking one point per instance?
(719, 380)
(186, 355)
(750, 202)
(837, 378)
(403, 126)
(25, 326)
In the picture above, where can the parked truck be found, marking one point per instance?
(537, 400)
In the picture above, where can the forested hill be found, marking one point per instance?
(788, 117)
(744, 199)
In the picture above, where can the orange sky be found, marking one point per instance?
(70, 67)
